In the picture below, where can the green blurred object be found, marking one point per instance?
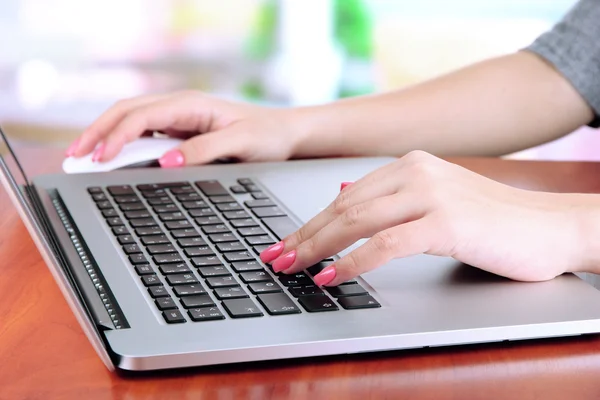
(263, 41)
(354, 28)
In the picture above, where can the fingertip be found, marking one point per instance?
(172, 159)
(326, 276)
(343, 185)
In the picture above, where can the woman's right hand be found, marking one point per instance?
(213, 129)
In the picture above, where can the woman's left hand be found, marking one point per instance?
(422, 204)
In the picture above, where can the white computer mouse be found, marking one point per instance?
(143, 152)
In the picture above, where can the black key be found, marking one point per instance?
(202, 300)
(175, 268)
(151, 280)
(243, 266)
(161, 248)
(191, 242)
(173, 317)
(317, 303)
(181, 224)
(280, 226)
(194, 204)
(221, 281)
(142, 222)
(205, 314)
(211, 188)
(221, 199)
(252, 231)
(158, 291)
(264, 287)
(298, 291)
(163, 208)
(278, 304)
(234, 215)
(136, 259)
(207, 261)
(233, 206)
(237, 189)
(167, 258)
(242, 308)
(255, 276)
(210, 229)
(114, 221)
(185, 233)
(350, 282)
(212, 220)
(259, 249)
(153, 186)
(165, 303)
(299, 279)
(181, 279)
(172, 216)
(120, 190)
(202, 212)
(223, 237)
(152, 194)
(126, 199)
(160, 201)
(189, 197)
(259, 203)
(259, 195)
(125, 239)
(217, 270)
(131, 249)
(198, 251)
(230, 246)
(189, 290)
(104, 205)
(144, 269)
(243, 223)
(245, 181)
(110, 212)
(94, 190)
(150, 230)
(234, 292)
(183, 190)
(256, 240)
(356, 302)
(156, 239)
(347, 290)
(239, 256)
(315, 269)
(252, 188)
(132, 207)
(138, 214)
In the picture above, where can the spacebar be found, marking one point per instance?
(280, 226)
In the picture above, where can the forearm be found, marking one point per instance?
(494, 107)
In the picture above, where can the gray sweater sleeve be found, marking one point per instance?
(573, 47)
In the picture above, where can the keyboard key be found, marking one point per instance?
(230, 246)
(242, 308)
(161, 248)
(132, 207)
(347, 290)
(126, 199)
(183, 190)
(232, 206)
(153, 186)
(115, 221)
(151, 280)
(173, 317)
(175, 268)
(234, 292)
(142, 222)
(171, 216)
(198, 251)
(155, 239)
(243, 266)
(245, 181)
(144, 269)
(120, 230)
(160, 201)
(233, 215)
(260, 248)
(317, 303)
(125, 239)
(207, 261)
(211, 188)
(357, 302)
(278, 304)
(188, 290)
(259, 195)
(131, 249)
(120, 190)
(252, 188)
(255, 276)
(190, 242)
(195, 301)
(190, 198)
(109, 213)
(264, 287)
(315, 269)
(259, 203)
(223, 237)
(165, 303)
(212, 220)
(237, 189)
(94, 190)
(252, 231)
(158, 291)
(150, 194)
(104, 205)
(221, 281)
(136, 259)
(205, 314)
(217, 270)
(185, 233)
(221, 199)
(181, 224)
(194, 204)
(210, 229)
(150, 230)
(299, 279)
(202, 212)
(163, 208)
(243, 223)
(181, 279)
(298, 291)
(167, 258)
(138, 214)
(256, 240)
(280, 226)
(238, 256)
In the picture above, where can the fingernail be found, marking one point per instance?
(284, 262)
(98, 153)
(344, 184)
(271, 252)
(72, 148)
(326, 276)
(172, 159)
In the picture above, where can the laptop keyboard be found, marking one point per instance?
(195, 247)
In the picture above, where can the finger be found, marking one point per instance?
(404, 240)
(358, 222)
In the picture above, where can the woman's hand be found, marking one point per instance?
(214, 128)
(422, 204)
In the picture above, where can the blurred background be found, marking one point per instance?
(63, 62)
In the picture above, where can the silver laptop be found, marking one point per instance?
(160, 267)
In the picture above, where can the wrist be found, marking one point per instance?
(587, 220)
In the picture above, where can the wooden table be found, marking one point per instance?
(44, 354)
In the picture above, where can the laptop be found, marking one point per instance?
(161, 269)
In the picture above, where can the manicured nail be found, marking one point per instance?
(326, 276)
(172, 159)
(344, 184)
(98, 153)
(284, 262)
(73, 148)
(271, 252)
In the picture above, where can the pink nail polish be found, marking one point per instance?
(284, 262)
(98, 153)
(172, 159)
(326, 276)
(271, 252)
(73, 148)
(344, 184)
